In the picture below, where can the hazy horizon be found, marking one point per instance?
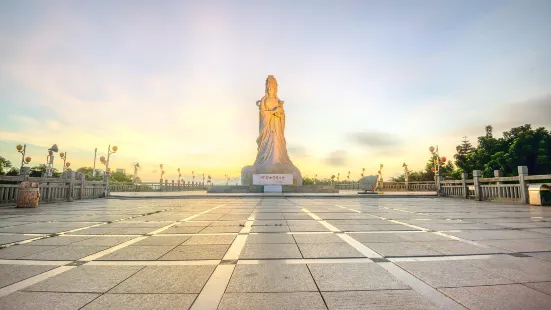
(176, 82)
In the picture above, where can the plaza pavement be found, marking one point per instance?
(276, 253)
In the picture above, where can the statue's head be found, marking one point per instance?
(271, 86)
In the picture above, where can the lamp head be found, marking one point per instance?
(19, 147)
(114, 148)
(53, 148)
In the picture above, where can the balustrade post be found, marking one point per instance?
(522, 173)
(477, 174)
(82, 178)
(464, 177)
(498, 174)
(70, 175)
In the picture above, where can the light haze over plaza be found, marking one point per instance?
(176, 82)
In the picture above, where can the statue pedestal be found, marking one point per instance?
(248, 171)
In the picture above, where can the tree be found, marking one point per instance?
(13, 172)
(4, 163)
(40, 170)
(462, 158)
(520, 146)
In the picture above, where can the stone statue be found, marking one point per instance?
(272, 157)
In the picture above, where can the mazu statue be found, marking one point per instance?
(272, 157)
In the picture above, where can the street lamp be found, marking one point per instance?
(110, 150)
(203, 179)
(315, 177)
(179, 175)
(162, 172)
(363, 171)
(193, 177)
(21, 149)
(64, 157)
(24, 160)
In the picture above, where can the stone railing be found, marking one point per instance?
(157, 187)
(393, 186)
(501, 188)
(72, 187)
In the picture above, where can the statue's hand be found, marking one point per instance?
(258, 103)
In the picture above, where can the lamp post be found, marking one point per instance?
(22, 149)
(110, 150)
(437, 163)
(192, 177)
(203, 179)
(162, 172)
(24, 160)
(94, 169)
(63, 156)
(315, 178)
(363, 171)
(179, 175)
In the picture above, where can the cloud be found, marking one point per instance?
(336, 158)
(297, 151)
(374, 139)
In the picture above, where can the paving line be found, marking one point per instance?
(34, 262)
(427, 291)
(33, 280)
(298, 261)
(211, 294)
(417, 285)
(45, 236)
(206, 262)
(112, 249)
(214, 289)
(443, 258)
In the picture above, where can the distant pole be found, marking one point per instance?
(94, 170)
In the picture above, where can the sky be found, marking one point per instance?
(175, 82)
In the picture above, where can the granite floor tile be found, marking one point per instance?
(452, 274)
(353, 277)
(5, 239)
(317, 238)
(514, 296)
(103, 241)
(518, 269)
(272, 301)
(10, 274)
(401, 249)
(376, 238)
(166, 279)
(270, 238)
(67, 252)
(377, 300)
(269, 251)
(86, 279)
(544, 287)
(46, 300)
(18, 251)
(142, 302)
(139, 252)
(220, 239)
(264, 278)
(196, 252)
(162, 240)
(328, 250)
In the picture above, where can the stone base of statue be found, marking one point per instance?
(248, 171)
